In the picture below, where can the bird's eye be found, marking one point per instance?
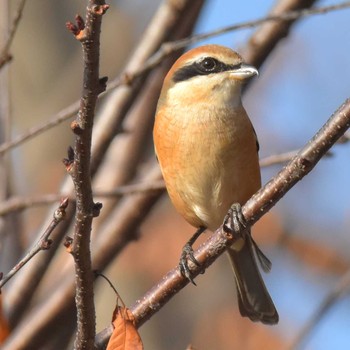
(208, 64)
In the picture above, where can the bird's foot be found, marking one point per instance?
(187, 254)
(235, 222)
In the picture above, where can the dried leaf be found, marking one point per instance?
(125, 335)
(4, 328)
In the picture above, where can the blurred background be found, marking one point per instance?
(306, 236)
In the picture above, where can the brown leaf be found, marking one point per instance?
(125, 335)
(4, 328)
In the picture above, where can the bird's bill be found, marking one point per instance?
(245, 71)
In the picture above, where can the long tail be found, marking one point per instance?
(253, 298)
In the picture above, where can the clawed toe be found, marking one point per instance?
(187, 254)
(234, 221)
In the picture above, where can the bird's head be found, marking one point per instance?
(210, 73)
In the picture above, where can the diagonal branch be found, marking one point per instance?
(253, 210)
(43, 243)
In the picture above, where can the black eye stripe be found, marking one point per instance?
(205, 66)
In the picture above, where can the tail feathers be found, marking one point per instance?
(253, 298)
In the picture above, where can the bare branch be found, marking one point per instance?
(171, 47)
(287, 156)
(269, 34)
(253, 210)
(282, 158)
(43, 243)
(14, 204)
(78, 166)
(34, 131)
(17, 203)
(5, 56)
(288, 16)
(278, 158)
(131, 74)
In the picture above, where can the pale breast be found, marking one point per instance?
(208, 162)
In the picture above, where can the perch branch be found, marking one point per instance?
(257, 206)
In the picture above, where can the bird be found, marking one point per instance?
(207, 150)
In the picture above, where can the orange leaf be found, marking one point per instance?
(125, 335)
(4, 328)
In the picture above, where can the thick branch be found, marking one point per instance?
(256, 207)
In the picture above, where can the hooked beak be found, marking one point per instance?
(245, 71)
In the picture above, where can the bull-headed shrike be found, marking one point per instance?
(208, 153)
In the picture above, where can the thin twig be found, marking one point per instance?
(78, 166)
(5, 56)
(171, 47)
(43, 243)
(342, 287)
(15, 204)
(34, 131)
(129, 76)
(288, 16)
(99, 274)
(282, 158)
(253, 210)
(278, 158)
